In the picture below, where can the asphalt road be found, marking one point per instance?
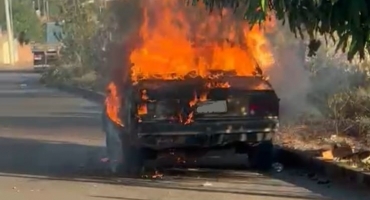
(51, 144)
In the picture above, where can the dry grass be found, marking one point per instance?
(313, 135)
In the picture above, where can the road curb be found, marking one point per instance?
(288, 157)
(85, 93)
(333, 170)
(30, 71)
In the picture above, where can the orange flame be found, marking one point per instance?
(180, 40)
(113, 103)
(142, 108)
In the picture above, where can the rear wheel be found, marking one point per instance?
(125, 158)
(260, 156)
(133, 161)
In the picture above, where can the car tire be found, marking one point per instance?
(133, 161)
(260, 156)
(129, 161)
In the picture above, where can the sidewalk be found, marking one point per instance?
(19, 67)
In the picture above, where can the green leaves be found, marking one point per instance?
(25, 21)
(347, 19)
(263, 5)
(79, 27)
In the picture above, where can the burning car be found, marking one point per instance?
(196, 115)
(195, 91)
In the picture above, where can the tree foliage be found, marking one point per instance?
(79, 24)
(348, 20)
(26, 22)
(81, 55)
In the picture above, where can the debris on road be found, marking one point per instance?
(104, 160)
(323, 182)
(345, 154)
(366, 160)
(207, 184)
(155, 175)
(15, 188)
(337, 151)
(23, 85)
(360, 160)
(314, 177)
(278, 167)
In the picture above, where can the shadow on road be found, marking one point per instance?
(62, 161)
(117, 198)
(46, 158)
(23, 70)
(52, 122)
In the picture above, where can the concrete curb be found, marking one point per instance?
(333, 170)
(288, 157)
(17, 71)
(85, 93)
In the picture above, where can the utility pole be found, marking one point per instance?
(47, 9)
(11, 13)
(9, 32)
(43, 8)
(39, 6)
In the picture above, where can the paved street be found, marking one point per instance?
(51, 145)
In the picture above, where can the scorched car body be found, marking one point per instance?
(196, 115)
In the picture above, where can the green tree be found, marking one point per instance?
(26, 22)
(79, 23)
(347, 20)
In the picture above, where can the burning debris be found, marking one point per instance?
(344, 153)
(154, 175)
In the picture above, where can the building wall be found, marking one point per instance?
(22, 53)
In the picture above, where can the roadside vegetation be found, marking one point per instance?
(25, 21)
(324, 41)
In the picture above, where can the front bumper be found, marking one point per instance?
(205, 135)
